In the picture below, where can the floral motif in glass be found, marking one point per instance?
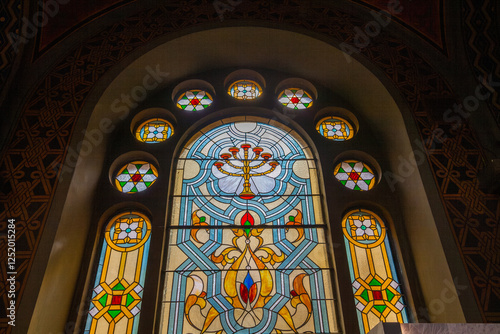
(194, 100)
(245, 90)
(154, 130)
(335, 128)
(377, 291)
(355, 175)
(135, 177)
(118, 286)
(247, 251)
(295, 98)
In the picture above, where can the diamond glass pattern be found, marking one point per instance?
(355, 175)
(135, 177)
(295, 98)
(194, 100)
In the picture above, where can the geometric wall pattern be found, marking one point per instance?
(39, 142)
(481, 36)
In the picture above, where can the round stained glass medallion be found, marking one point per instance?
(363, 228)
(295, 98)
(355, 175)
(194, 100)
(245, 90)
(154, 130)
(135, 177)
(128, 231)
(335, 128)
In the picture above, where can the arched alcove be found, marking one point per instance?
(114, 103)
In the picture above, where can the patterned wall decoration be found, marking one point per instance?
(68, 17)
(41, 136)
(481, 36)
(424, 17)
(10, 22)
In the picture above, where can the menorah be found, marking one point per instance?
(246, 167)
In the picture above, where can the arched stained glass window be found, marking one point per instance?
(117, 292)
(247, 250)
(377, 290)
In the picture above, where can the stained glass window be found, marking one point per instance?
(295, 98)
(335, 128)
(245, 90)
(247, 250)
(135, 176)
(154, 130)
(376, 287)
(119, 282)
(355, 175)
(194, 100)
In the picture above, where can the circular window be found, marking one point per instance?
(245, 90)
(363, 228)
(295, 98)
(155, 130)
(128, 231)
(136, 176)
(355, 175)
(335, 128)
(194, 100)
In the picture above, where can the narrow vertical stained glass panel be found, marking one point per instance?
(119, 282)
(245, 90)
(135, 176)
(194, 100)
(335, 128)
(355, 175)
(376, 287)
(295, 98)
(247, 250)
(153, 131)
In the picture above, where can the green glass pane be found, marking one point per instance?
(114, 313)
(374, 282)
(380, 308)
(130, 299)
(103, 299)
(364, 295)
(118, 287)
(390, 295)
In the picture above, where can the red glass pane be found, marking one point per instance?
(354, 176)
(116, 300)
(136, 177)
(377, 295)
